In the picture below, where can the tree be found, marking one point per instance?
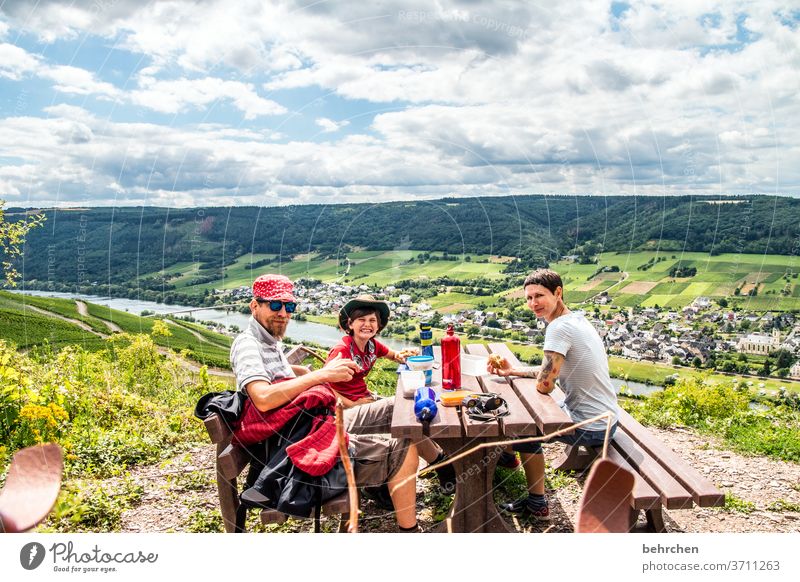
(783, 358)
(766, 368)
(697, 362)
(12, 238)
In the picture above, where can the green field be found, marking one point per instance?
(716, 277)
(370, 267)
(28, 329)
(65, 307)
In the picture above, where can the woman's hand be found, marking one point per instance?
(499, 366)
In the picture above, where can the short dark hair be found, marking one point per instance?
(361, 312)
(548, 279)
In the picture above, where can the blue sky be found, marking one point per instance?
(181, 103)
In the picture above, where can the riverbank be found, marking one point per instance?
(322, 331)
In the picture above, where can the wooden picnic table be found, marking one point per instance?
(531, 414)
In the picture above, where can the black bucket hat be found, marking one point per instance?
(368, 302)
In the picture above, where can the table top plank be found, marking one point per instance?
(546, 412)
(519, 421)
(447, 422)
(474, 428)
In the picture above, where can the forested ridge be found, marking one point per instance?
(115, 245)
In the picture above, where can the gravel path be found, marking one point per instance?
(180, 494)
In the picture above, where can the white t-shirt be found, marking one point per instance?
(584, 375)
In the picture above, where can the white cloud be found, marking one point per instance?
(329, 125)
(172, 96)
(466, 98)
(16, 62)
(78, 82)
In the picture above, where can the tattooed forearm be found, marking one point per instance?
(548, 374)
(527, 372)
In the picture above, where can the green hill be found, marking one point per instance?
(140, 247)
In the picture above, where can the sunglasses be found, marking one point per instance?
(276, 305)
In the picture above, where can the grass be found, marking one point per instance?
(181, 339)
(723, 410)
(64, 307)
(737, 505)
(28, 329)
(781, 505)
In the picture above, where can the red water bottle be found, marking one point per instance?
(451, 360)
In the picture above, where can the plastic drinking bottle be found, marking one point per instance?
(426, 338)
(425, 404)
(451, 360)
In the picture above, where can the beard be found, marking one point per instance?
(277, 328)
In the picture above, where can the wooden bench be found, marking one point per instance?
(232, 460)
(662, 478)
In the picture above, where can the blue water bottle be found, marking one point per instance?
(426, 338)
(425, 404)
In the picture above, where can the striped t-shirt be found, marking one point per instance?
(256, 355)
(584, 376)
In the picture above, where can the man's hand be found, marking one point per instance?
(338, 370)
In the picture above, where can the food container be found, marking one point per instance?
(422, 364)
(474, 365)
(410, 381)
(453, 397)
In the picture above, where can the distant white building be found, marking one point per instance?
(760, 343)
(794, 372)
(702, 302)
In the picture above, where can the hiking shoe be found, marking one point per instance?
(508, 460)
(526, 505)
(380, 495)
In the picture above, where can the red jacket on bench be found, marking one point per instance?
(316, 454)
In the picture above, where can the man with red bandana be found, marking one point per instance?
(264, 373)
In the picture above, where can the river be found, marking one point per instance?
(299, 331)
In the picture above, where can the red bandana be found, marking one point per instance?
(274, 287)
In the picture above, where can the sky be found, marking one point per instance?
(195, 103)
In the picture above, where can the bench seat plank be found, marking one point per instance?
(218, 431)
(644, 496)
(673, 494)
(337, 506)
(704, 492)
